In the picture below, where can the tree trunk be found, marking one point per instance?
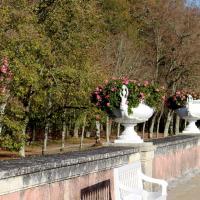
(2, 111)
(158, 122)
(167, 124)
(46, 131)
(26, 120)
(63, 136)
(107, 130)
(83, 131)
(47, 125)
(152, 125)
(22, 148)
(110, 127)
(98, 131)
(76, 127)
(171, 126)
(185, 124)
(177, 125)
(118, 130)
(70, 123)
(143, 130)
(67, 131)
(34, 133)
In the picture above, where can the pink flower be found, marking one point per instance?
(4, 69)
(98, 97)
(178, 93)
(125, 81)
(107, 104)
(146, 83)
(5, 61)
(97, 89)
(106, 81)
(107, 96)
(113, 89)
(142, 95)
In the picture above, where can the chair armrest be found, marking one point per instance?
(161, 182)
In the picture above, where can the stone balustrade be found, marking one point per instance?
(89, 174)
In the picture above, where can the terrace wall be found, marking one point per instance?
(89, 174)
(176, 156)
(67, 176)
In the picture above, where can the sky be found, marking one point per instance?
(194, 2)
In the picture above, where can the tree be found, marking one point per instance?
(23, 42)
(168, 30)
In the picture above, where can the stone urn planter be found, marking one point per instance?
(139, 114)
(128, 102)
(191, 113)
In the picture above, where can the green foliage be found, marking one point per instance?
(73, 28)
(13, 121)
(23, 42)
(12, 140)
(107, 97)
(116, 15)
(59, 50)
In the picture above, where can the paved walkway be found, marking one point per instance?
(187, 190)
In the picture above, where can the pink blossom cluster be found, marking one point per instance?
(5, 76)
(179, 99)
(107, 97)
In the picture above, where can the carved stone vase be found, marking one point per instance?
(191, 113)
(139, 114)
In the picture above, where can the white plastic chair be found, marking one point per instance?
(128, 183)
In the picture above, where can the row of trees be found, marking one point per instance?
(59, 50)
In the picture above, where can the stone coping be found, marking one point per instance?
(173, 143)
(145, 146)
(32, 164)
(175, 139)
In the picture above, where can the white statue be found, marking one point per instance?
(124, 96)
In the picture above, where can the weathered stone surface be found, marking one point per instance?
(22, 174)
(174, 143)
(176, 156)
(34, 164)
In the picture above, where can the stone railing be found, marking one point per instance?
(90, 174)
(176, 156)
(67, 176)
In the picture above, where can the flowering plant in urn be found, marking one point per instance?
(107, 97)
(179, 99)
(128, 102)
(187, 105)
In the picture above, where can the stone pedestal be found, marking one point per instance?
(128, 135)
